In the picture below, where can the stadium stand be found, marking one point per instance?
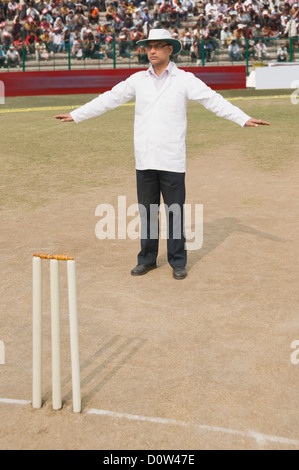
(68, 34)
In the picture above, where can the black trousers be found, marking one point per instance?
(150, 185)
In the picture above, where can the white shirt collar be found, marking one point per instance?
(167, 71)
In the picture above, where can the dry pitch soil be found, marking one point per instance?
(203, 363)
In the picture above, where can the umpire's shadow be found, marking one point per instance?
(218, 230)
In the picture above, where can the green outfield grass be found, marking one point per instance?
(42, 158)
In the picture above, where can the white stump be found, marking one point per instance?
(55, 335)
(74, 335)
(37, 333)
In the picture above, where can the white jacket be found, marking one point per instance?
(291, 28)
(161, 116)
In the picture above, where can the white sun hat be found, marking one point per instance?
(162, 35)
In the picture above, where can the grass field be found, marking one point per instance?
(74, 157)
(198, 364)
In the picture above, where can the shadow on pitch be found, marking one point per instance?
(218, 230)
(98, 369)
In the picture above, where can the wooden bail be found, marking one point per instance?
(57, 257)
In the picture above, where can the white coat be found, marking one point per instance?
(161, 116)
(291, 28)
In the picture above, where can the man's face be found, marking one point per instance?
(158, 52)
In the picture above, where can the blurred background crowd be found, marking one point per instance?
(100, 29)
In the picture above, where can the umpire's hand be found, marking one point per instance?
(256, 122)
(64, 117)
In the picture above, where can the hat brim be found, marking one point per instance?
(175, 43)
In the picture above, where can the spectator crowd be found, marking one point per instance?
(91, 28)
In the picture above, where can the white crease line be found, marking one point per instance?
(12, 401)
(259, 437)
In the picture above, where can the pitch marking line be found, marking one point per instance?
(261, 439)
(12, 401)
(248, 98)
(46, 108)
(56, 108)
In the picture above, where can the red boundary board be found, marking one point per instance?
(98, 81)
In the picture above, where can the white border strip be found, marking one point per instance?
(13, 401)
(260, 438)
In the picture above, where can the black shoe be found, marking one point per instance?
(179, 273)
(141, 269)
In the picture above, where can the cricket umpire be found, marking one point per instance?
(161, 95)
